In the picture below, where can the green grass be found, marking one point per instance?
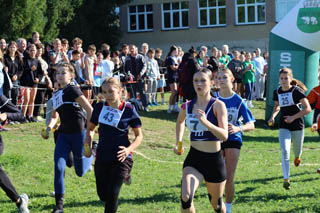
(28, 160)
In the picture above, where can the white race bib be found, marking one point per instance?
(285, 99)
(110, 116)
(194, 124)
(232, 115)
(57, 99)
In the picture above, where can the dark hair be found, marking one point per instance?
(206, 71)
(151, 50)
(124, 46)
(172, 48)
(105, 53)
(192, 50)
(17, 53)
(75, 52)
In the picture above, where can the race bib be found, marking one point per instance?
(194, 124)
(285, 99)
(57, 99)
(232, 115)
(110, 116)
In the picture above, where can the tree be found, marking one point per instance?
(95, 22)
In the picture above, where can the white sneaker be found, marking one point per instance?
(24, 204)
(53, 194)
(250, 104)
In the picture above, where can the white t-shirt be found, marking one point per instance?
(259, 62)
(107, 68)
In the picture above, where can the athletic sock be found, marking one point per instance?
(228, 207)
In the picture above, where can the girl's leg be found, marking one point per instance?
(297, 139)
(215, 191)
(81, 163)
(190, 182)
(26, 96)
(117, 175)
(162, 95)
(148, 90)
(285, 144)
(101, 172)
(7, 186)
(33, 93)
(231, 159)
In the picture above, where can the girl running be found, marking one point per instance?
(231, 148)
(206, 118)
(287, 99)
(114, 152)
(69, 103)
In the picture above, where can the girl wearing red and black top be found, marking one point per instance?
(288, 98)
(114, 153)
(14, 63)
(32, 72)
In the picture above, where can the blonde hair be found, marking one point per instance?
(115, 82)
(294, 81)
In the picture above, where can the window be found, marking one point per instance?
(283, 7)
(175, 15)
(212, 13)
(250, 11)
(140, 18)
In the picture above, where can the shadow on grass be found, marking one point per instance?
(74, 204)
(313, 208)
(161, 197)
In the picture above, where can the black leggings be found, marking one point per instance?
(5, 182)
(109, 179)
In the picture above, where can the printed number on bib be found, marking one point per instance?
(232, 115)
(285, 99)
(110, 116)
(57, 100)
(194, 124)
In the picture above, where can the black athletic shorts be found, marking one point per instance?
(210, 165)
(231, 144)
(172, 80)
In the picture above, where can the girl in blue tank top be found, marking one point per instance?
(206, 119)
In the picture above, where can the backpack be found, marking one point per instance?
(183, 72)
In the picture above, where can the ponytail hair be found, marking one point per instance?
(294, 81)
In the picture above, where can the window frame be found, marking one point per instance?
(144, 13)
(171, 11)
(207, 9)
(246, 5)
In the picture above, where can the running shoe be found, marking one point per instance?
(297, 161)
(286, 185)
(318, 171)
(23, 208)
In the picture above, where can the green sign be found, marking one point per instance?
(309, 20)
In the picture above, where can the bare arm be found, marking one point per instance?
(276, 109)
(306, 110)
(180, 123)
(89, 137)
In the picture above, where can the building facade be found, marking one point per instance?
(242, 24)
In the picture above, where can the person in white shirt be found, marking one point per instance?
(107, 65)
(260, 75)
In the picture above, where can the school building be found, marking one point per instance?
(242, 24)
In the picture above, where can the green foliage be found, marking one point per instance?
(20, 18)
(96, 22)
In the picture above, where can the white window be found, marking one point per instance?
(250, 11)
(140, 18)
(283, 7)
(212, 13)
(175, 15)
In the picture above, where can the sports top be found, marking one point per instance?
(113, 128)
(198, 132)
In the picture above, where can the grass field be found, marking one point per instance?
(28, 160)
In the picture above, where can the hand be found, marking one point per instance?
(87, 82)
(33, 68)
(271, 122)
(87, 150)
(45, 133)
(314, 127)
(288, 119)
(201, 115)
(82, 54)
(5, 69)
(175, 150)
(36, 80)
(233, 129)
(123, 153)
